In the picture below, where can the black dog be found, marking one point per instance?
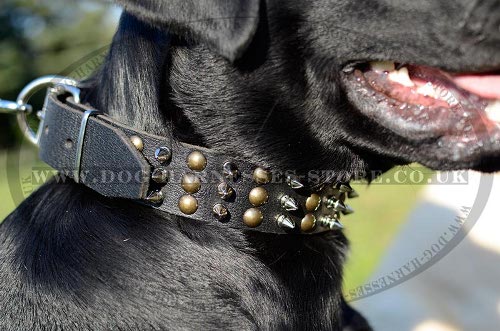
(281, 83)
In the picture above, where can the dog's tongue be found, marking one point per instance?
(486, 86)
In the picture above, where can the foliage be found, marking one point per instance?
(44, 37)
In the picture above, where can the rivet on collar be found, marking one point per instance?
(252, 217)
(308, 223)
(188, 204)
(196, 161)
(258, 196)
(190, 183)
(137, 142)
(261, 176)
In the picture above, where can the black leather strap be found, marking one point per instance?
(112, 166)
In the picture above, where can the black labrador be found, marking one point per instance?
(349, 86)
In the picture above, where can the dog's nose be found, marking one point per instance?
(482, 21)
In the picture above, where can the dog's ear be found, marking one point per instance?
(225, 26)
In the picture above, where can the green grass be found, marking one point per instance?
(380, 211)
(6, 202)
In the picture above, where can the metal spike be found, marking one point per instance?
(336, 224)
(353, 194)
(294, 183)
(160, 175)
(230, 171)
(330, 222)
(348, 210)
(163, 154)
(221, 213)
(288, 203)
(336, 205)
(155, 197)
(285, 222)
(345, 188)
(225, 191)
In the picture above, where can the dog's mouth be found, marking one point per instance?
(459, 112)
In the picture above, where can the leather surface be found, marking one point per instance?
(108, 156)
(107, 149)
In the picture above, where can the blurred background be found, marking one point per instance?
(47, 37)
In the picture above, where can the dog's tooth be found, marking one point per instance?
(493, 110)
(382, 66)
(401, 76)
(427, 90)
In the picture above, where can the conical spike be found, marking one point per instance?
(160, 175)
(155, 197)
(336, 224)
(285, 222)
(288, 203)
(348, 210)
(330, 202)
(353, 194)
(335, 204)
(294, 183)
(345, 188)
(339, 206)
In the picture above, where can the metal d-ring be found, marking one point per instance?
(60, 85)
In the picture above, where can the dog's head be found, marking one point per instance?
(324, 84)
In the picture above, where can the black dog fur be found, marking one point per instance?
(264, 87)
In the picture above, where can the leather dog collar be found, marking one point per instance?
(177, 178)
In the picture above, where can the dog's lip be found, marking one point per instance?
(460, 130)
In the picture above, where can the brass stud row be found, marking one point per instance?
(191, 183)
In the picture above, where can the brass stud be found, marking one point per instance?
(313, 202)
(258, 196)
(190, 183)
(252, 217)
(220, 212)
(196, 161)
(163, 154)
(261, 176)
(137, 142)
(188, 204)
(160, 175)
(155, 197)
(230, 171)
(308, 223)
(225, 191)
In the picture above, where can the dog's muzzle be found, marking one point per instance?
(118, 161)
